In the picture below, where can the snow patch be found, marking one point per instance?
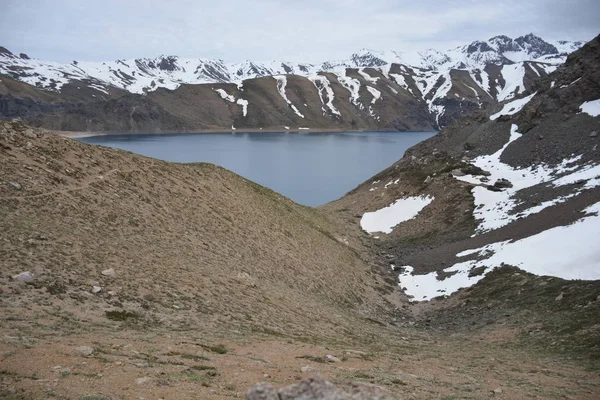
(591, 107)
(513, 81)
(281, 84)
(567, 252)
(244, 104)
(352, 85)
(385, 219)
(225, 96)
(375, 93)
(366, 76)
(512, 107)
(324, 88)
(493, 209)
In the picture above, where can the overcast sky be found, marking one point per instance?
(261, 30)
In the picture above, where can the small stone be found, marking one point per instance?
(266, 376)
(308, 368)
(26, 277)
(143, 380)
(109, 272)
(14, 185)
(428, 180)
(540, 137)
(84, 351)
(593, 134)
(332, 358)
(30, 134)
(497, 391)
(96, 289)
(559, 297)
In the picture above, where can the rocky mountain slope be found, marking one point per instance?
(370, 90)
(517, 186)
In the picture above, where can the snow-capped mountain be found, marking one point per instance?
(375, 85)
(147, 74)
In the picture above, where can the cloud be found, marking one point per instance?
(294, 30)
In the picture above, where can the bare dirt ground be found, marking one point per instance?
(133, 364)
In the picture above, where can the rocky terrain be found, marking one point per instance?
(369, 91)
(128, 277)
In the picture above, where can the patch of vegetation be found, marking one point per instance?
(219, 348)
(191, 357)
(121, 315)
(202, 367)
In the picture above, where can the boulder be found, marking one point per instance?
(503, 183)
(110, 272)
(315, 388)
(84, 351)
(26, 277)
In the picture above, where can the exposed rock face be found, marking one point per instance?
(315, 388)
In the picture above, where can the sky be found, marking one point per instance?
(288, 30)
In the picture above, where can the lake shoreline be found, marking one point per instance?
(77, 135)
(309, 168)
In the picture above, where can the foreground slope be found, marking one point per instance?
(127, 277)
(190, 245)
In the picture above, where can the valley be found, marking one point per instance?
(465, 269)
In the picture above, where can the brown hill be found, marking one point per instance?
(391, 101)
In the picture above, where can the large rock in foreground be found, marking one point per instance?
(315, 388)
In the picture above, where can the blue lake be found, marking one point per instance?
(312, 169)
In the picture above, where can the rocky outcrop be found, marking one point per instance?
(315, 388)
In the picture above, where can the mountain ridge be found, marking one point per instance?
(372, 93)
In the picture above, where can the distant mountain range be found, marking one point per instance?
(443, 84)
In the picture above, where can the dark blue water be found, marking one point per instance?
(311, 169)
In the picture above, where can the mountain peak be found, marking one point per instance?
(5, 51)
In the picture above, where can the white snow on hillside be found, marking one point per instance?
(385, 219)
(366, 76)
(512, 107)
(567, 252)
(513, 78)
(494, 210)
(375, 93)
(225, 96)
(244, 104)
(325, 91)
(591, 107)
(281, 84)
(230, 98)
(352, 85)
